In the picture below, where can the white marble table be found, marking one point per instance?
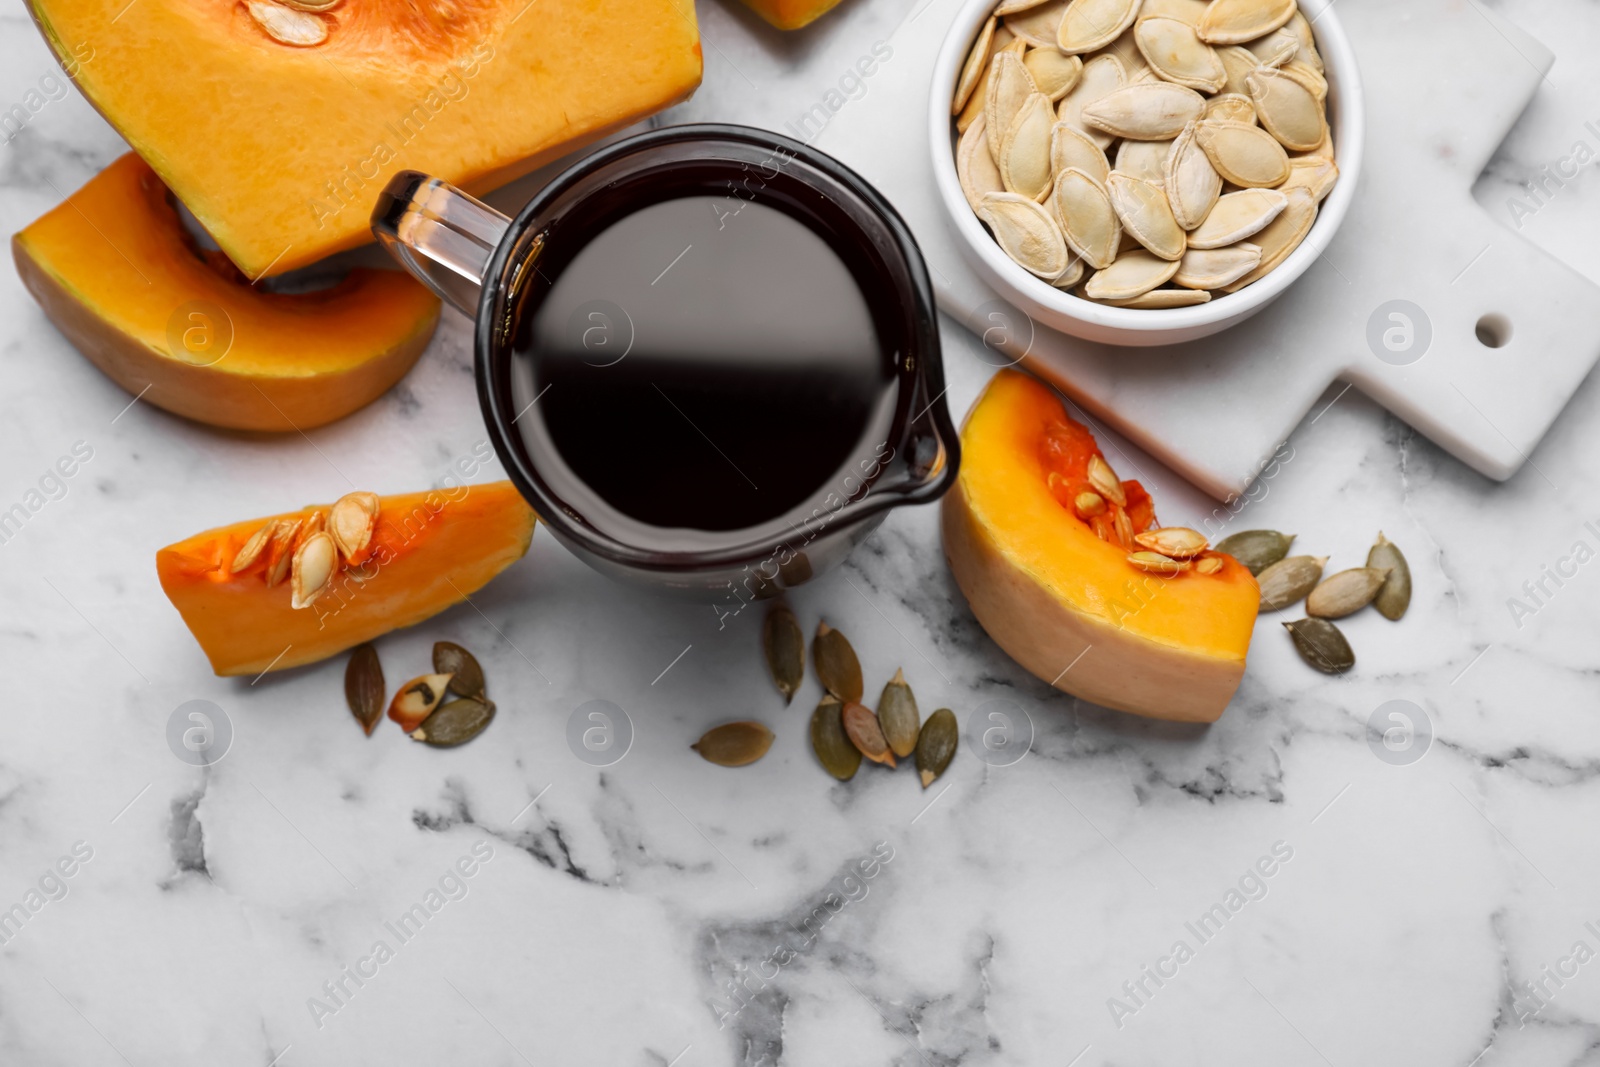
(209, 911)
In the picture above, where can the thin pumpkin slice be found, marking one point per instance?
(115, 270)
(422, 553)
(1058, 560)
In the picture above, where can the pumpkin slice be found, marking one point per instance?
(1059, 580)
(426, 551)
(792, 14)
(278, 126)
(115, 270)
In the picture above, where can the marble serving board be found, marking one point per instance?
(1445, 81)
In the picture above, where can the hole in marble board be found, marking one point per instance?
(1493, 330)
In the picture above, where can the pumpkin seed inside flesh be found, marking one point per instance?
(252, 548)
(1087, 505)
(1089, 224)
(1237, 216)
(1106, 482)
(1175, 52)
(734, 744)
(363, 686)
(836, 752)
(898, 715)
(1026, 232)
(1010, 85)
(466, 674)
(1178, 542)
(1102, 74)
(1345, 593)
(1146, 214)
(838, 669)
(1245, 155)
(351, 521)
(785, 648)
(861, 726)
(1054, 73)
(1395, 595)
(1071, 148)
(1208, 565)
(1213, 268)
(972, 70)
(1288, 580)
(1133, 274)
(1321, 644)
(455, 723)
(1256, 549)
(315, 563)
(1238, 21)
(1289, 108)
(1156, 563)
(1025, 149)
(1146, 111)
(936, 745)
(1193, 185)
(287, 25)
(1088, 25)
(975, 167)
(1040, 24)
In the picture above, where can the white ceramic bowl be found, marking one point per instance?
(1130, 326)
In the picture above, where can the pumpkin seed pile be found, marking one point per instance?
(1145, 153)
(312, 551)
(419, 706)
(1385, 582)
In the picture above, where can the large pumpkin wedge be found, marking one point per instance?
(115, 270)
(397, 561)
(278, 127)
(1047, 569)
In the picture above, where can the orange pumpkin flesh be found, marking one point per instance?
(428, 552)
(791, 14)
(1063, 601)
(117, 273)
(280, 151)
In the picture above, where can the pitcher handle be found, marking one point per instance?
(440, 234)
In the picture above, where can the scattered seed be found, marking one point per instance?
(1395, 595)
(363, 687)
(1320, 644)
(836, 752)
(785, 648)
(1256, 549)
(734, 744)
(467, 676)
(861, 726)
(1345, 593)
(936, 744)
(417, 699)
(1288, 580)
(838, 669)
(455, 723)
(898, 715)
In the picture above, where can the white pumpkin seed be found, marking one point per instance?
(1089, 223)
(1231, 107)
(1238, 62)
(1025, 232)
(1176, 53)
(1301, 29)
(1287, 103)
(1244, 155)
(1038, 25)
(1213, 268)
(312, 5)
(1237, 216)
(1313, 173)
(1156, 563)
(251, 550)
(1091, 24)
(973, 69)
(1160, 299)
(1282, 236)
(1102, 74)
(1276, 48)
(1147, 111)
(1053, 72)
(975, 167)
(315, 563)
(1147, 215)
(1192, 183)
(286, 25)
(1105, 481)
(1176, 542)
(1190, 11)
(1238, 21)
(1025, 149)
(1133, 274)
(978, 102)
(1071, 147)
(1010, 85)
(351, 521)
(1144, 159)
(1011, 7)
(1071, 276)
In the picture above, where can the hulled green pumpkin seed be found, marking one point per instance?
(836, 663)
(1345, 593)
(734, 744)
(785, 647)
(1320, 644)
(898, 715)
(363, 687)
(1395, 595)
(451, 658)
(1288, 580)
(861, 726)
(837, 753)
(1256, 549)
(455, 722)
(936, 744)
